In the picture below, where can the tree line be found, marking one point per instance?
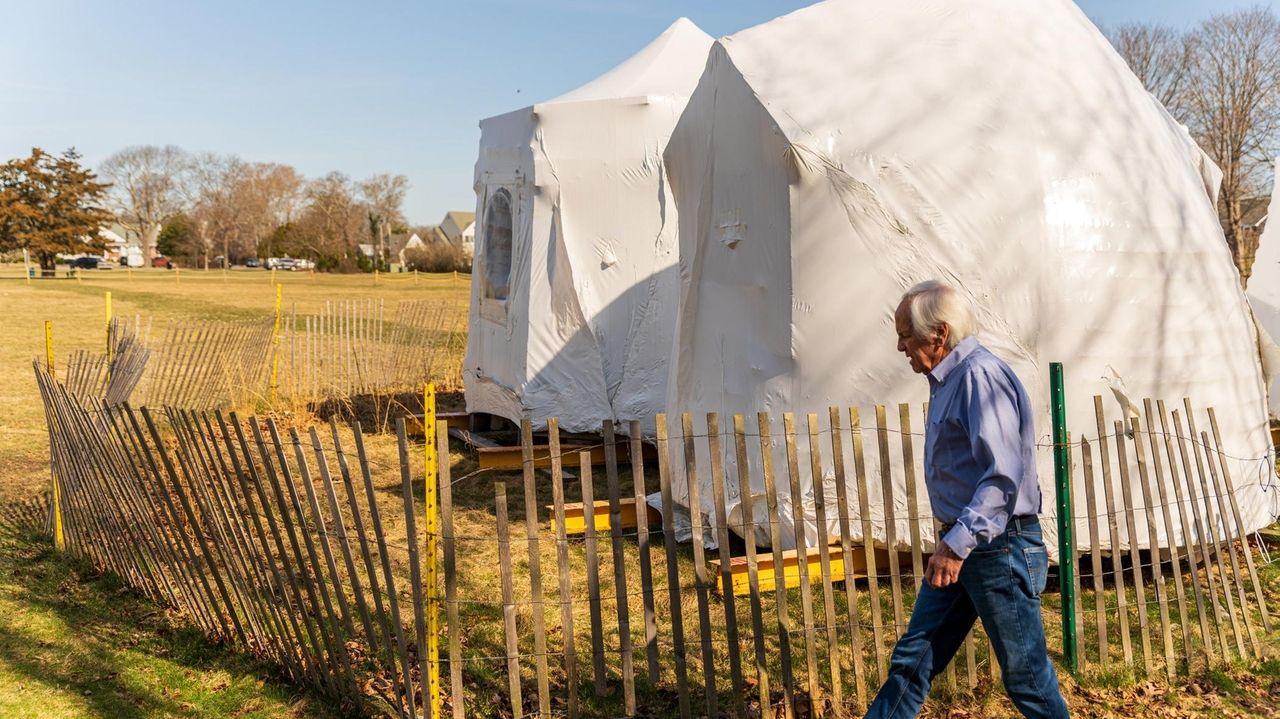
(203, 206)
(196, 207)
(1220, 79)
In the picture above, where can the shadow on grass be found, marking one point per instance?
(70, 636)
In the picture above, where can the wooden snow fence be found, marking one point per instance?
(273, 538)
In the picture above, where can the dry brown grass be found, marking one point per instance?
(76, 308)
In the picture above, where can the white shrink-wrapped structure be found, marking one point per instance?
(573, 293)
(834, 157)
(1264, 296)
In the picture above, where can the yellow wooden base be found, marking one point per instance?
(455, 420)
(511, 458)
(575, 516)
(767, 575)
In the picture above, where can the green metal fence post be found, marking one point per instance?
(1066, 524)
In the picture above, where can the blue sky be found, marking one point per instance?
(328, 85)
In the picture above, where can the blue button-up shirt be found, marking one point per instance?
(979, 446)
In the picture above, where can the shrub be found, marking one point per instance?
(437, 257)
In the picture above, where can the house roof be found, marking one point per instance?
(456, 221)
(1253, 211)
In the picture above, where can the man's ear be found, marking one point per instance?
(943, 334)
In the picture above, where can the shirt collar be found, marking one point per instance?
(953, 359)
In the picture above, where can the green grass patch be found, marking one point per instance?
(74, 643)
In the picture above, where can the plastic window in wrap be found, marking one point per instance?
(497, 245)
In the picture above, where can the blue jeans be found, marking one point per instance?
(1000, 582)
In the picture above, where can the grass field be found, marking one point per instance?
(77, 309)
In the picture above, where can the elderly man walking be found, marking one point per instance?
(980, 470)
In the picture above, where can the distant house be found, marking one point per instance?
(122, 247)
(367, 250)
(459, 229)
(1253, 217)
(401, 244)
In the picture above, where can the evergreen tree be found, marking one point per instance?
(49, 205)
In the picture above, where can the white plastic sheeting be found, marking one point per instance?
(575, 319)
(1264, 296)
(832, 158)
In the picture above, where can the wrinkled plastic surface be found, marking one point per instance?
(585, 332)
(832, 158)
(1264, 296)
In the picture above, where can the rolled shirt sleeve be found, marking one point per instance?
(996, 440)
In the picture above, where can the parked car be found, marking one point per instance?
(88, 262)
(164, 262)
(252, 262)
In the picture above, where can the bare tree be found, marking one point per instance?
(1234, 113)
(1161, 57)
(383, 195)
(333, 216)
(146, 189)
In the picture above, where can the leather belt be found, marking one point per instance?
(1018, 522)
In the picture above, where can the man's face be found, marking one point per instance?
(923, 355)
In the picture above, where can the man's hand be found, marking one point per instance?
(944, 567)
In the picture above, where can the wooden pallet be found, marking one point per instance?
(768, 576)
(455, 420)
(575, 516)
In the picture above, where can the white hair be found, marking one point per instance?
(933, 304)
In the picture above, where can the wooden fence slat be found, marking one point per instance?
(593, 577)
(1135, 555)
(913, 505)
(1153, 544)
(1165, 517)
(802, 555)
(1239, 520)
(1215, 554)
(309, 562)
(1206, 637)
(1095, 551)
(673, 568)
(562, 563)
(1211, 522)
(449, 549)
(775, 538)
(642, 545)
(415, 570)
(699, 565)
(846, 554)
(622, 609)
(890, 520)
(736, 705)
(1217, 491)
(508, 601)
(393, 601)
(251, 486)
(753, 577)
(1117, 561)
(218, 500)
(1193, 508)
(824, 559)
(535, 568)
(385, 641)
(868, 544)
(344, 543)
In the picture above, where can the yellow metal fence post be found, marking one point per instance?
(59, 541)
(108, 330)
(275, 344)
(430, 469)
